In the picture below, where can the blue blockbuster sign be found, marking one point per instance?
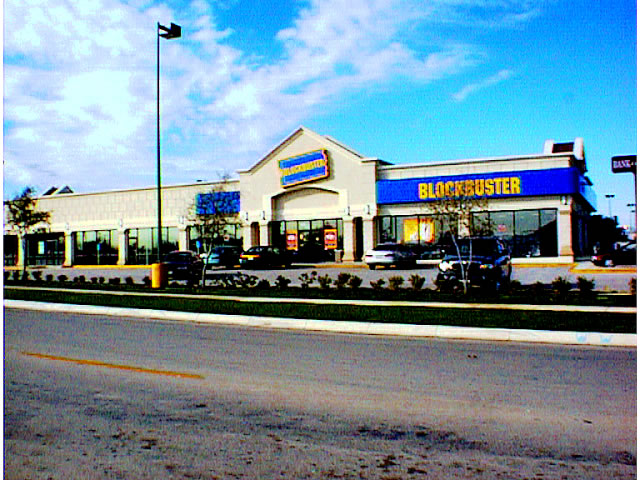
(304, 168)
(217, 203)
(525, 183)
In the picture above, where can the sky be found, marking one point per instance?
(406, 81)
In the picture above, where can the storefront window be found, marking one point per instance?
(501, 224)
(548, 233)
(10, 250)
(422, 229)
(200, 243)
(386, 233)
(528, 233)
(98, 247)
(45, 249)
(143, 244)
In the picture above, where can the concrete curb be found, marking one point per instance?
(361, 328)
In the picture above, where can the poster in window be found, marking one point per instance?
(292, 240)
(330, 239)
(411, 232)
(427, 230)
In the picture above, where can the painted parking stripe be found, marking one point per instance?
(130, 368)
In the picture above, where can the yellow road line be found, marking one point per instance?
(130, 368)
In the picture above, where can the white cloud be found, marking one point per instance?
(472, 88)
(80, 83)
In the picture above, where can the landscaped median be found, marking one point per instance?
(608, 315)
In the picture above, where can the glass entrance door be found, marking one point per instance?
(308, 240)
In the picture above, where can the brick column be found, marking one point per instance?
(123, 246)
(69, 248)
(348, 239)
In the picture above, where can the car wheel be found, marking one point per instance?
(372, 267)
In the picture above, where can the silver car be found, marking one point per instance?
(388, 254)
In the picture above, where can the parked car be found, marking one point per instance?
(183, 265)
(430, 251)
(624, 255)
(388, 254)
(485, 260)
(223, 256)
(265, 257)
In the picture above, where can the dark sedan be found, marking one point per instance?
(183, 265)
(223, 256)
(265, 257)
(483, 261)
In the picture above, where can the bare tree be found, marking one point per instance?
(214, 215)
(23, 216)
(455, 214)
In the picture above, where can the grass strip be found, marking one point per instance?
(482, 318)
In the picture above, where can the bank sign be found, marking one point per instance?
(308, 167)
(526, 183)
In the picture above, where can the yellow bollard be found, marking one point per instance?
(158, 275)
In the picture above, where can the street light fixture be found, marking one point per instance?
(174, 31)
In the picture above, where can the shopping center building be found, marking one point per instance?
(314, 196)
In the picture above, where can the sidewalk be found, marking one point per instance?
(584, 267)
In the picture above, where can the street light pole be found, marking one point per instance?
(174, 31)
(632, 225)
(609, 196)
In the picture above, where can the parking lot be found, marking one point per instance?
(614, 279)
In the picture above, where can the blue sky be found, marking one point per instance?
(403, 80)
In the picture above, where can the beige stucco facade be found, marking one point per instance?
(346, 193)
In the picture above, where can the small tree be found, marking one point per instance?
(455, 214)
(214, 214)
(23, 216)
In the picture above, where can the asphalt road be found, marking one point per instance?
(97, 397)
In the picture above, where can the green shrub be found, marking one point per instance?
(378, 284)
(146, 281)
(7, 276)
(263, 284)
(342, 280)
(114, 281)
(129, 281)
(16, 276)
(37, 275)
(416, 281)
(49, 277)
(586, 286)
(561, 287)
(325, 281)
(101, 280)
(82, 279)
(307, 280)
(515, 286)
(538, 290)
(62, 278)
(395, 282)
(282, 282)
(355, 282)
(246, 281)
(94, 280)
(632, 286)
